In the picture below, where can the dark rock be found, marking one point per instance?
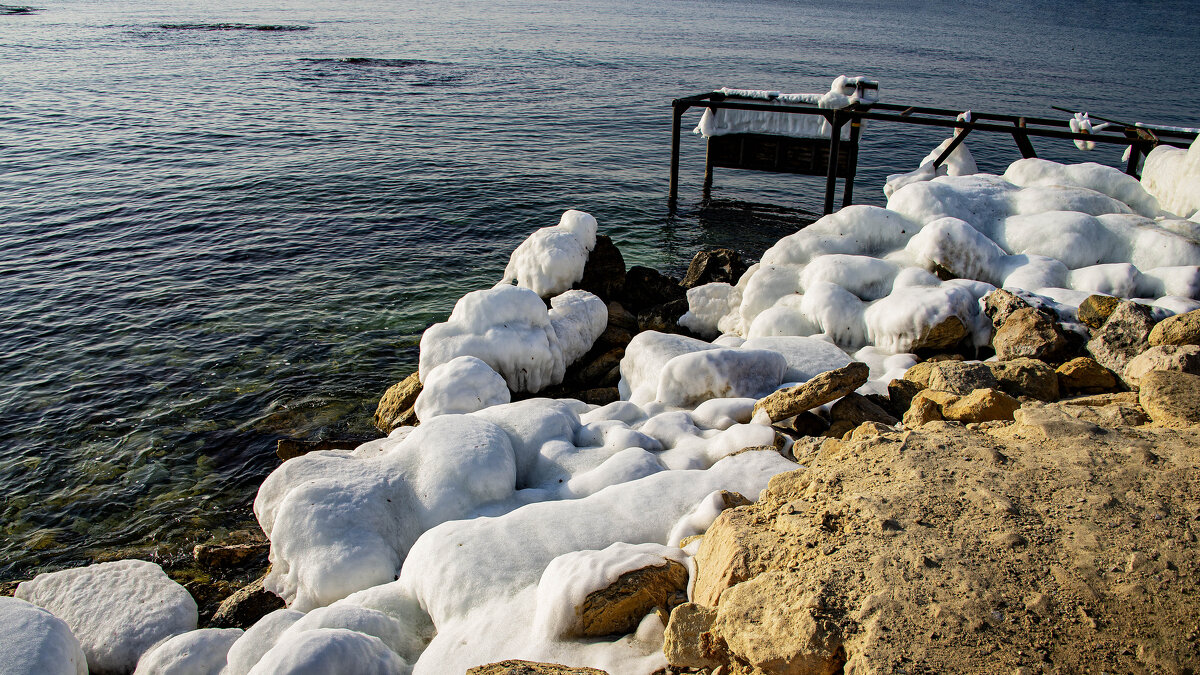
(1096, 309)
(645, 288)
(595, 371)
(804, 424)
(1032, 334)
(289, 448)
(716, 265)
(999, 304)
(230, 555)
(1026, 377)
(604, 273)
(245, 607)
(395, 402)
(600, 395)
(856, 409)
(885, 404)
(1124, 336)
(664, 318)
(901, 393)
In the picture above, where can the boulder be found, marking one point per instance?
(919, 373)
(999, 304)
(518, 667)
(246, 606)
(1181, 329)
(962, 378)
(1026, 377)
(646, 287)
(1181, 358)
(1096, 309)
(826, 387)
(395, 407)
(716, 265)
(688, 643)
(943, 335)
(926, 407)
(1083, 375)
(1171, 398)
(804, 424)
(1123, 336)
(1030, 333)
(618, 608)
(596, 373)
(855, 409)
(604, 272)
(982, 405)
(621, 328)
(599, 395)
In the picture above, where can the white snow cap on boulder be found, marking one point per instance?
(461, 385)
(117, 610)
(1173, 176)
(553, 258)
(198, 652)
(510, 329)
(35, 642)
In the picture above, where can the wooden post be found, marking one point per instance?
(852, 164)
(1022, 140)
(677, 113)
(835, 142)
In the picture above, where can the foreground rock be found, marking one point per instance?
(1181, 329)
(1171, 398)
(618, 608)
(396, 406)
(1045, 545)
(1123, 336)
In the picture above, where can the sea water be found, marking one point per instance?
(226, 223)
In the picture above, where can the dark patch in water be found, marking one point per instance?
(368, 62)
(232, 26)
(15, 9)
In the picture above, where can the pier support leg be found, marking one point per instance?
(673, 193)
(835, 142)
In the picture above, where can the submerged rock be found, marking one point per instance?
(395, 407)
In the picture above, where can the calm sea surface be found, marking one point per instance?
(213, 235)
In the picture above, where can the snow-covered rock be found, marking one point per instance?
(461, 385)
(553, 258)
(117, 610)
(35, 642)
(198, 652)
(1173, 176)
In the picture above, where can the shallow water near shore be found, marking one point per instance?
(224, 225)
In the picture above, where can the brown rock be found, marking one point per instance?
(245, 607)
(999, 304)
(926, 407)
(826, 387)
(290, 448)
(600, 395)
(1030, 333)
(1181, 358)
(618, 608)
(1083, 375)
(1122, 337)
(396, 401)
(595, 372)
(1171, 398)
(944, 335)
(688, 643)
(902, 391)
(620, 317)
(518, 667)
(229, 555)
(1181, 329)
(604, 272)
(1096, 309)
(1122, 398)
(856, 409)
(716, 265)
(1026, 377)
(962, 378)
(981, 405)
(920, 373)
